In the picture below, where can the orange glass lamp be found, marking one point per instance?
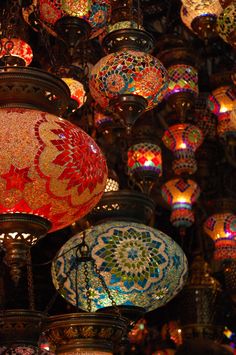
(222, 99)
(183, 140)
(15, 51)
(145, 164)
(221, 227)
(180, 194)
(76, 90)
(227, 124)
(200, 16)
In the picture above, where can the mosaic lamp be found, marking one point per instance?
(77, 91)
(180, 194)
(128, 82)
(112, 183)
(200, 16)
(226, 24)
(145, 164)
(141, 266)
(227, 125)
(221, 227)
(15, 51)
(183, 140)
(52, 172)
(222, 99)
(73, 21)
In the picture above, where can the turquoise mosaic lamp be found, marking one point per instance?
(141, 267)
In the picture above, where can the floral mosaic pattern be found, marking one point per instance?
(49, 167)
(140, 265)
(128, 72)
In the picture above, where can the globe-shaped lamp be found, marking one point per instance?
(128, 82)
(15, 51)
(180, 194)
(221, 227)
(222, 99)
(226, 24)
(227, 124)
(76, 90)
(141, 266)
(183, 140)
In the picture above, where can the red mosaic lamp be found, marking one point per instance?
(145, 164)
(15, 51)
(73, 21)
(221, 228)
(183, 139)
(180, 194)
(52, 172)
(77, 91)
(200, 16)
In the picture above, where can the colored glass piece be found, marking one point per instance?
(76, 90)
(49, 167)
(22, 349)
(183, 140)
(180, 194)
(182, 78)
(221, 227)
(145, 157)
(95, 12)
(226, 24)
(222, 99)
(227, 124)
(128, 72)
(16, 47)
(141, 267)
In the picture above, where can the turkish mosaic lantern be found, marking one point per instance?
(128, 75)
(227, 124)
(201, 16)
(15, 51)
(145, 163)
(23, 350)
(222, 99)
(76, 90)
(181, 194)
(71, 20)
(112, 183)
(141, 266)
(226, 24)
(183, 140)
(221, 227)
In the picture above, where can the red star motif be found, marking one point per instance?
(16, 178)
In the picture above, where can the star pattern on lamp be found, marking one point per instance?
(16, 178)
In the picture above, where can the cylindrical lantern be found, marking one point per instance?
(221, 227)
(183, 139)
(226, 24)
(15, 51)
(141, 267)
(180, 194)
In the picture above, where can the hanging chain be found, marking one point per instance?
(30, 281)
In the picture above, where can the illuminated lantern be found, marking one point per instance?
(180, 194)
(141, 266)
(23, 349)
(112, 183)
(226, 24)
(125, 76)
(221, 227)
(145, 163)
(15, 51)
(200, 16)
(183, 140)
(76, 90)
(227, 124)
(222, 99)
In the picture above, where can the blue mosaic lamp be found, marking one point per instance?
(141, 266)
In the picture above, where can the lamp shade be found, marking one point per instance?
(145, 157)
(221, 227)
(17, 49)
(180, 194)
(222, 99)
(95, 12)
(182, 78)
(76, 90)
(183, 140)
(49, 167)
(141, 267)
(128, 72)
(226, 24)
(227, 124)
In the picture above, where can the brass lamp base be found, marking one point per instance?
(80, 333)
(20, 231)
